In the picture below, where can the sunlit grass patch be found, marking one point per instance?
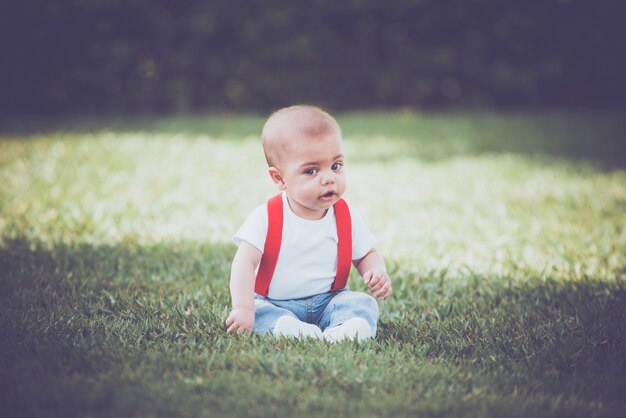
(504, 235)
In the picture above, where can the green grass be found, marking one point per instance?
(505, 235)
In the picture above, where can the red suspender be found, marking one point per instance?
(272, 245)
(344, 246)
(275, 234)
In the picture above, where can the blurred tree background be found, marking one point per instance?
(159, 56)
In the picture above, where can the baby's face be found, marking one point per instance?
(313, 174)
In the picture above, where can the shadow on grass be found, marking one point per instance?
(79, 322)
(579, 135)
(216, 125)
(75, 320)
(596, 137)
(567, 326)
(121, 295)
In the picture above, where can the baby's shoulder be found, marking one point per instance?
(259, 213)
(354, 211)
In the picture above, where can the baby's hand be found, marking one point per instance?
(240, 320)
(379, 282)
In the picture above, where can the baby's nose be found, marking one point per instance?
(328, 178)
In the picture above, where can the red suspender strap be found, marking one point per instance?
(344, 246)
(275, 235)
(272, 245)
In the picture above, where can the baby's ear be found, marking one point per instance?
(277, 178)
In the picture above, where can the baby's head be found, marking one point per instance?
(290, 125)
(304, 150)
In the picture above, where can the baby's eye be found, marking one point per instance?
(311, 171)
(336, 166)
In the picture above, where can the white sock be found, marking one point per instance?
(353, 328)
(288, 326)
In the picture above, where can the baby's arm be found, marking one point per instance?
(242, 276)
(372, 269)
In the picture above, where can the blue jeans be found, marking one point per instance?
(325, 310)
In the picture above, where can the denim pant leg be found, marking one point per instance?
(347, 305)
(266, 314)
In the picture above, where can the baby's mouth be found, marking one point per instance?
(328, 195)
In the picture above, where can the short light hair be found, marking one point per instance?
(294, 121)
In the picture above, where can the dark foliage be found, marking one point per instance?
(162, 56)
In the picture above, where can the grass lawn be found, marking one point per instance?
(505, 234)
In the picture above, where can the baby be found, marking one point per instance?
(289, 274)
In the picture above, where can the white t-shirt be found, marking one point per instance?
(307, 262)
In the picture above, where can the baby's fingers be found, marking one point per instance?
(377, 283)
(375, 279)
(384, 291)
(367, 277)
(231, 329)
(233, 324)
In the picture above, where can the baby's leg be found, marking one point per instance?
(350, 315)
(281, 322)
